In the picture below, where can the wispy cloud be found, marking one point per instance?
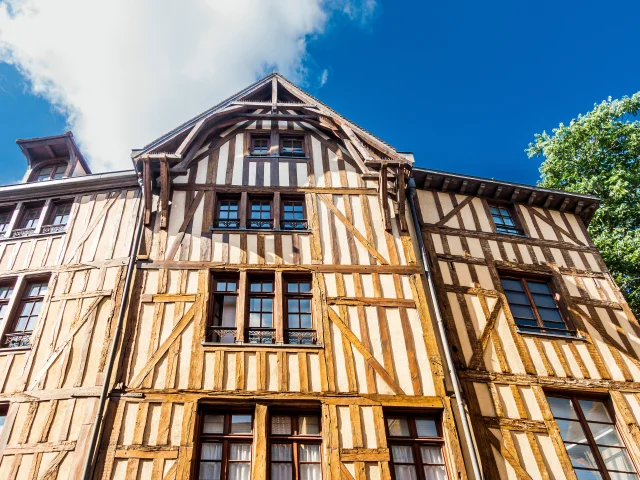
(324, 77)
(124, 72)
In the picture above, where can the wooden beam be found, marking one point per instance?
(481, 189)
(532, 198)
(498, 192)
(479, 348)
(510, 456)
(384, 198)
(274, 95)
(565, 202)
(327, 200)
(183, 228)
(455, 211)
(165, 188)
(445, 184)
(50, 151)
(372, 301)
(197, 128)
(463, 186)
(514, 195)
(548, 201)
(349, 336)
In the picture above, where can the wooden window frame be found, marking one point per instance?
(54, 165)
(555, 294)
(259, 136)
(292, 136)
(294, 439)
(293, 225)
(261, 332)
(4, 226)
(6, 301)
(4, 412)
(49, 226)
(414, 441)
(12, 320)
(260, 224)
(584, 423)
(23, 217)
(286, 295)
(212, 329)
(513, 215)
(232, 224)
(225, 438)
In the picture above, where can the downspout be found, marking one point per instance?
(443, 337)
(89, 465)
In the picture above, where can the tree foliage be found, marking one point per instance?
(599, 153)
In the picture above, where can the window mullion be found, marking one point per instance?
(241, 307)
(591, 440)
(534, 307)
(278, 311)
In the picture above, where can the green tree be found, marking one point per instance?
(599, 153)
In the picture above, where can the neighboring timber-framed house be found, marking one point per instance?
(65, 242)
(275, 293)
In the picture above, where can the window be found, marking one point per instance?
(50, 172)
(260, 214)
(416, 448)
(225, 446)
(504, 220)
(293, 216)
(222, 327)
(227, 214)
(6, 290)
(4, 410)
(5, 220)
(260, 145)
(292, 147)
(30, 304)
(295, 447)
(60, 214)
(533, 305)
(261, 310)
(589, 433)
(30, 218)
(299, 325)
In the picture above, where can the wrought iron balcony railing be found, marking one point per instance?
(221, 334)
(261, 335)
(253, 223)
(13, 340)
(227, 223)
(22, 232)
(54, 228)
(294, 224)
(300, 336)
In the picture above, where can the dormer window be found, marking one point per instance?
(292, 146)
(50, 172)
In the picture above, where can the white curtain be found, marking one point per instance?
(239, 471)
(406, 472)
(310, 453)
(431, 455)
(310, 471)
(209, 471)
(211, 451)
(402, 454)
(240, 451)
(435, 473)
(281, 471)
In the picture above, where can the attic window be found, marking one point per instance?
(292, 147)
(49, 172)
(260, 145)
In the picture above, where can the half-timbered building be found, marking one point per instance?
(65, 241)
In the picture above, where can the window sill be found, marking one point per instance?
(14, 350)
(552, 336)
(212, 346)
(259, 230)
(517, 235)
(28, 237)
(286, 157)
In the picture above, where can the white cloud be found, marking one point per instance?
(324, 77)
(126, 71)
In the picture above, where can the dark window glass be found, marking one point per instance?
(49, 172)
(293, 215)
(592, 441)
(4, 410)
(27, 314)
(259, 145)
(297, 301)
(5, 219)
(416, 448)
(295, 447)
(225, 446)
(260, 321)
(292, 147)
(58, 172)
(222, 327)
(504, 220)
(60, 214)
(6, 290)
(533, 306)
(31, 217)
(260, 214)
(228, 216)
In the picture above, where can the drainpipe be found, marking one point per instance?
(87, 471)
(443, 337)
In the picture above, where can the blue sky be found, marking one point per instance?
(464, 85)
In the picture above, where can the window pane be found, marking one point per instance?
(623, 476)
(281, 453)
(310, 472)
(402, 454)
(521, 311)
(213, 424)
(509, 284)
(605, 435)
(595, 411)
(239, 471)
(543, 300)
(435, 473)
(588, 475)
(616, 459)
(571, 431)
(292, 287)
(562, 407)
(309, 425)
(292, 305)
(254, 319)
(305, 321)
(309, 453)
(431, 455)
(426, 428)
(517, 298)
(538, 287)
(281, 471)
(406, 472)
(209, 471)
(211, 451)
(581, 456)
(398, 427)
(281, 425)
(550, 314)
(240, 424)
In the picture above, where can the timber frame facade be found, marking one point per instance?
(252, 302)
